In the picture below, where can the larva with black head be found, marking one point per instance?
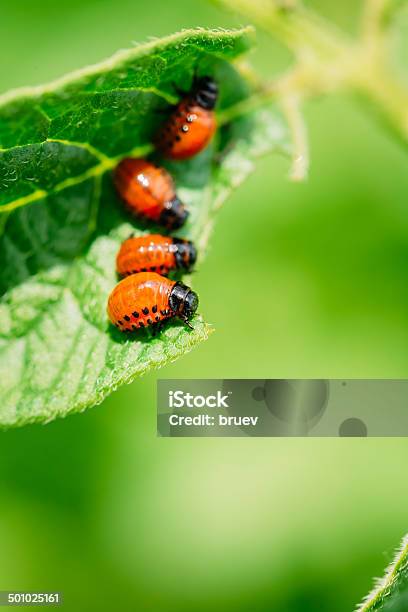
(192, 123)
(155, 253)
(149, 192)
(145, 299)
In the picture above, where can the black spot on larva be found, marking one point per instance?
(149, 321)
(135, 314)
(141, 324)
(127, 318)
(178, 138)
(145, 310)
(157, 318)
(154, 309)
(134, 327)
(120, 322)
(134, 271)
(144, 270)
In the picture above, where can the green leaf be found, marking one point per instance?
(391, 592)
(61, 222)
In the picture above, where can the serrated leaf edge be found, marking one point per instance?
(118, 57)
(382, 585)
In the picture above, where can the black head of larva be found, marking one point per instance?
(205, 92)
(185, 253)
(174, 214)
(183, 302)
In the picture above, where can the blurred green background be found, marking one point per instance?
(98, 507)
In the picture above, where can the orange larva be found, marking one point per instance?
(146, 298)
(148, 192)
(192, 123)
(155, 253)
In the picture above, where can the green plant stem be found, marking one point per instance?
(301, 30)
(327, 60)
(291, 106)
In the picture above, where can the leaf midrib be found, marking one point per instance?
(105, 164)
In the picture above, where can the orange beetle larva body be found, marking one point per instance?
(155, 253)
(148, 192)
(192, 123)
(147, 298)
